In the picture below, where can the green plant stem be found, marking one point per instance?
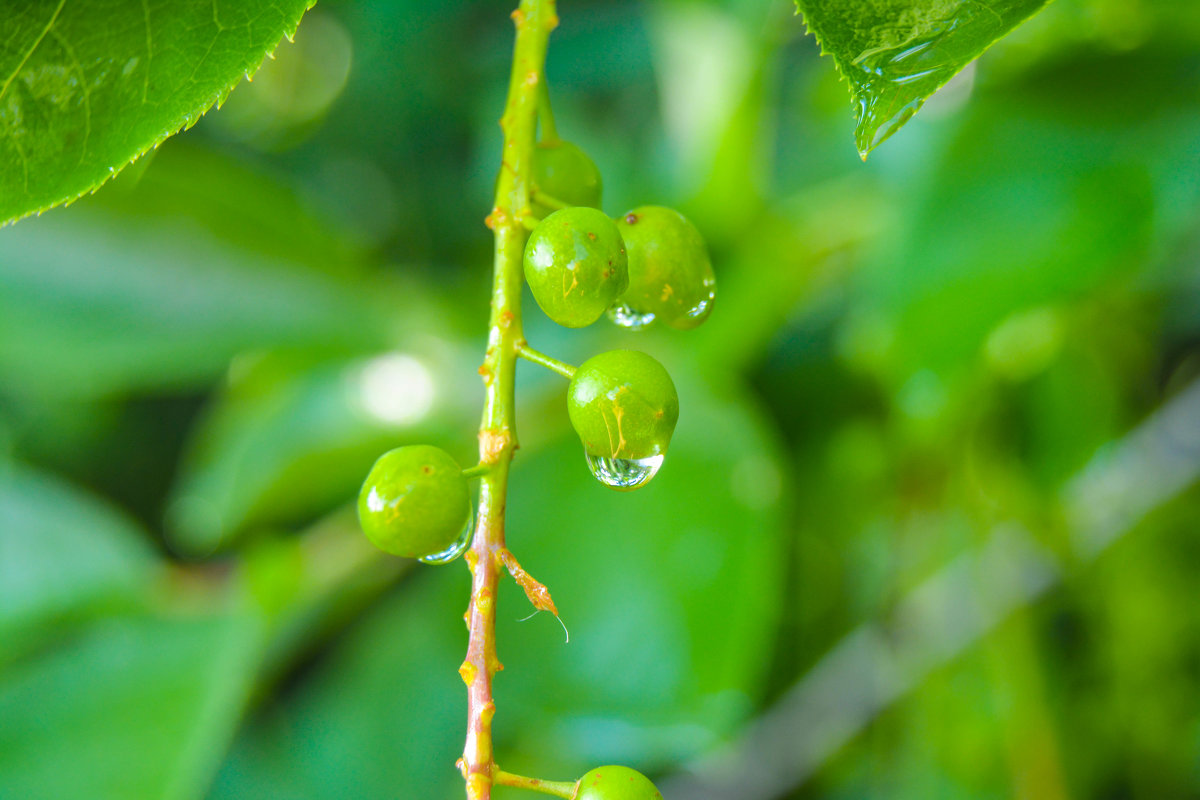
(549, 200)
(546, 115)
(558, 788)
(497, 431)
(553, 364)
(477, 471)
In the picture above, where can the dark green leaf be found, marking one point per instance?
(895, 53)
(62, 552)
(133, 708)
(88, 86)
(119, 301)
(380, 718)
(1079, 208)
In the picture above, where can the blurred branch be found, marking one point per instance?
(877, 663)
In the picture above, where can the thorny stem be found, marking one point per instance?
(497, 432)
(553, 364)
(558, 788)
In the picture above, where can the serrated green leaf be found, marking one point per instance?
(895, 53)
(88, 86)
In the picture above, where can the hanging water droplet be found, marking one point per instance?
(890, 83)
(624, 474)
(702, 308)
(457, 547)
(626, 317)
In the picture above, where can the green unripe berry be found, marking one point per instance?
(623, 405)
(670, 275)
(576, 266)
(415, 502)
(616, 783)
(563, 171)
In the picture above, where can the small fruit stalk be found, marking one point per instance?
(649, 265)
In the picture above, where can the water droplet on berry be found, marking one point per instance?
(457, 547)
(704, 305)
(626, 317)
(624, 474)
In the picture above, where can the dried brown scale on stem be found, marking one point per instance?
(536, 591)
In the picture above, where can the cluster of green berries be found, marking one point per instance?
(649, 264)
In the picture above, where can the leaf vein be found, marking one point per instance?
(36, 43)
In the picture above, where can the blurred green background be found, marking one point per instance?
(929, 528)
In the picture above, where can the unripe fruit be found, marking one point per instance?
(563, 171)
(623, 405)
(415, 501)
(616, 783)
(670, 275)
(576, 266)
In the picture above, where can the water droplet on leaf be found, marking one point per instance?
(891, 83)
(626, 317)
(457, 547)
(624, 474)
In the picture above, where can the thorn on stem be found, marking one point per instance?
(469, 672)
(536, 591)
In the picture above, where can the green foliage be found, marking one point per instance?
(616, 783)
(576, 266)
(90, 86)
(896, 53)
(670, 276)
(165, 299)
(64, 556)
(198, 364)
(415, 502)
(144, 706)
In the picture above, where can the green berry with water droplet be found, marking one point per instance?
(415, 502)
(623, 405)
(616, 783)
(576, 266)
(563, 171)
(670, 275)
